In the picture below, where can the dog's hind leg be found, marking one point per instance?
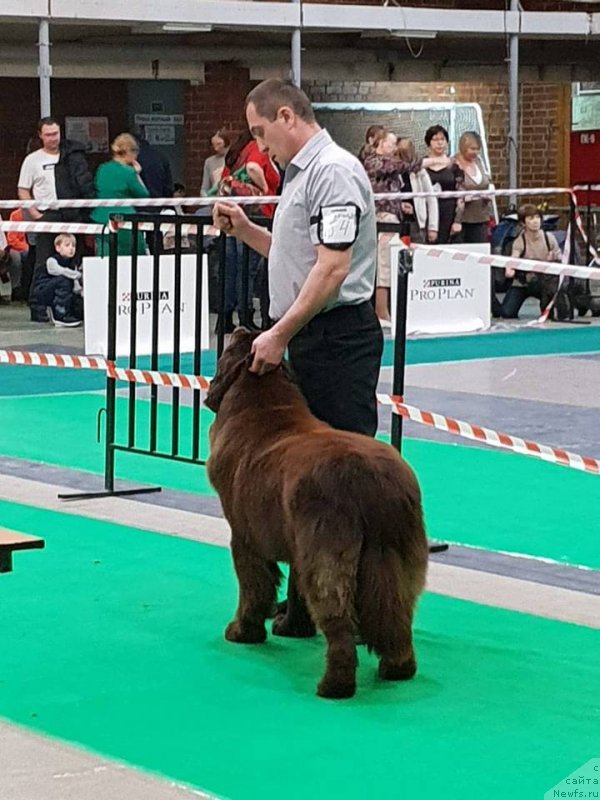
(329, 583)
(386, 597)
(258, 581)
(399, 664)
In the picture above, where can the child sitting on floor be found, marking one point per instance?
(56, 295)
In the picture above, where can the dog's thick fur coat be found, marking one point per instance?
(343, 509)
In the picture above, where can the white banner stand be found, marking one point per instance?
(95, 283)
(444, 296)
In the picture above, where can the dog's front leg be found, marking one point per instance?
(258, 580)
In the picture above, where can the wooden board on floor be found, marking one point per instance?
(11, 541)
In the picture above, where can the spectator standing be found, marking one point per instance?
(372, 132)
(424, 211)
(213, 166)
(246, 154)
(446, 176)
(120, 178)
(155, 168)
(57, 171)
(474, 213)
(537, 244)
(383, 169)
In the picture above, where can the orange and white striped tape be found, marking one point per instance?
(160, 202)
(170, 379)
(90, 228)
(522, 264)
(196, 382)
(23, 357)
(478, 433)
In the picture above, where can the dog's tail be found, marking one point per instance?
(391, 576)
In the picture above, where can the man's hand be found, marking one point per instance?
(509, 272)
(231, 218)
(456, 228)
(432, 236)
(268, 350)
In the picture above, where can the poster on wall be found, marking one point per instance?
(158, 119)
(91, 131)
(159, 134)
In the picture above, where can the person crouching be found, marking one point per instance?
(56, 295)
(538, 245)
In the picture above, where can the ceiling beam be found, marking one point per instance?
(236, 13)
(339, 17)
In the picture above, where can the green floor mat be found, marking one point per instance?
(483, 498)
(112, 638)
(521, 342)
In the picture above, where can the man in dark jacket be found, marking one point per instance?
(157, 178)
(156, 169)
(57, 171)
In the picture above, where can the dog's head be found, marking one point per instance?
(236, 357)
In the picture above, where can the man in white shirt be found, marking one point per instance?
(36, 179)
(57, 171)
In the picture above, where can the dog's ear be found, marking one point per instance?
(223, 381)
(236, 357)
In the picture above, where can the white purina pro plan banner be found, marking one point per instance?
(95, 298)
(444, 296)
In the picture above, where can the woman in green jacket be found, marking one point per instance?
(119, 178)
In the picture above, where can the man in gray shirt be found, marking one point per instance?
(321, 261)
(321, 273)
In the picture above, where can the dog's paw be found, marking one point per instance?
(245, 633)
(392, 671)
(301, 628)
(336, 689)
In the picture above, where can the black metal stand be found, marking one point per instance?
(111, 383)
(405, 266)
(114, 493)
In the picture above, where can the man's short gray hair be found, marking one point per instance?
(270, 95)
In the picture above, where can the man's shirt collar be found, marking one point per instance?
(311, 149)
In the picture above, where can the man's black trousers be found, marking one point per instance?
(336, 359)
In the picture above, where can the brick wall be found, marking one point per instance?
(544, 111)
(218, 103)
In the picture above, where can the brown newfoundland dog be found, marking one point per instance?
(342, 509)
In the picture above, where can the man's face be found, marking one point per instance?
(50, 136)
(272, 136)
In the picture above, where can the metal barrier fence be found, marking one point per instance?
(155, 429)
